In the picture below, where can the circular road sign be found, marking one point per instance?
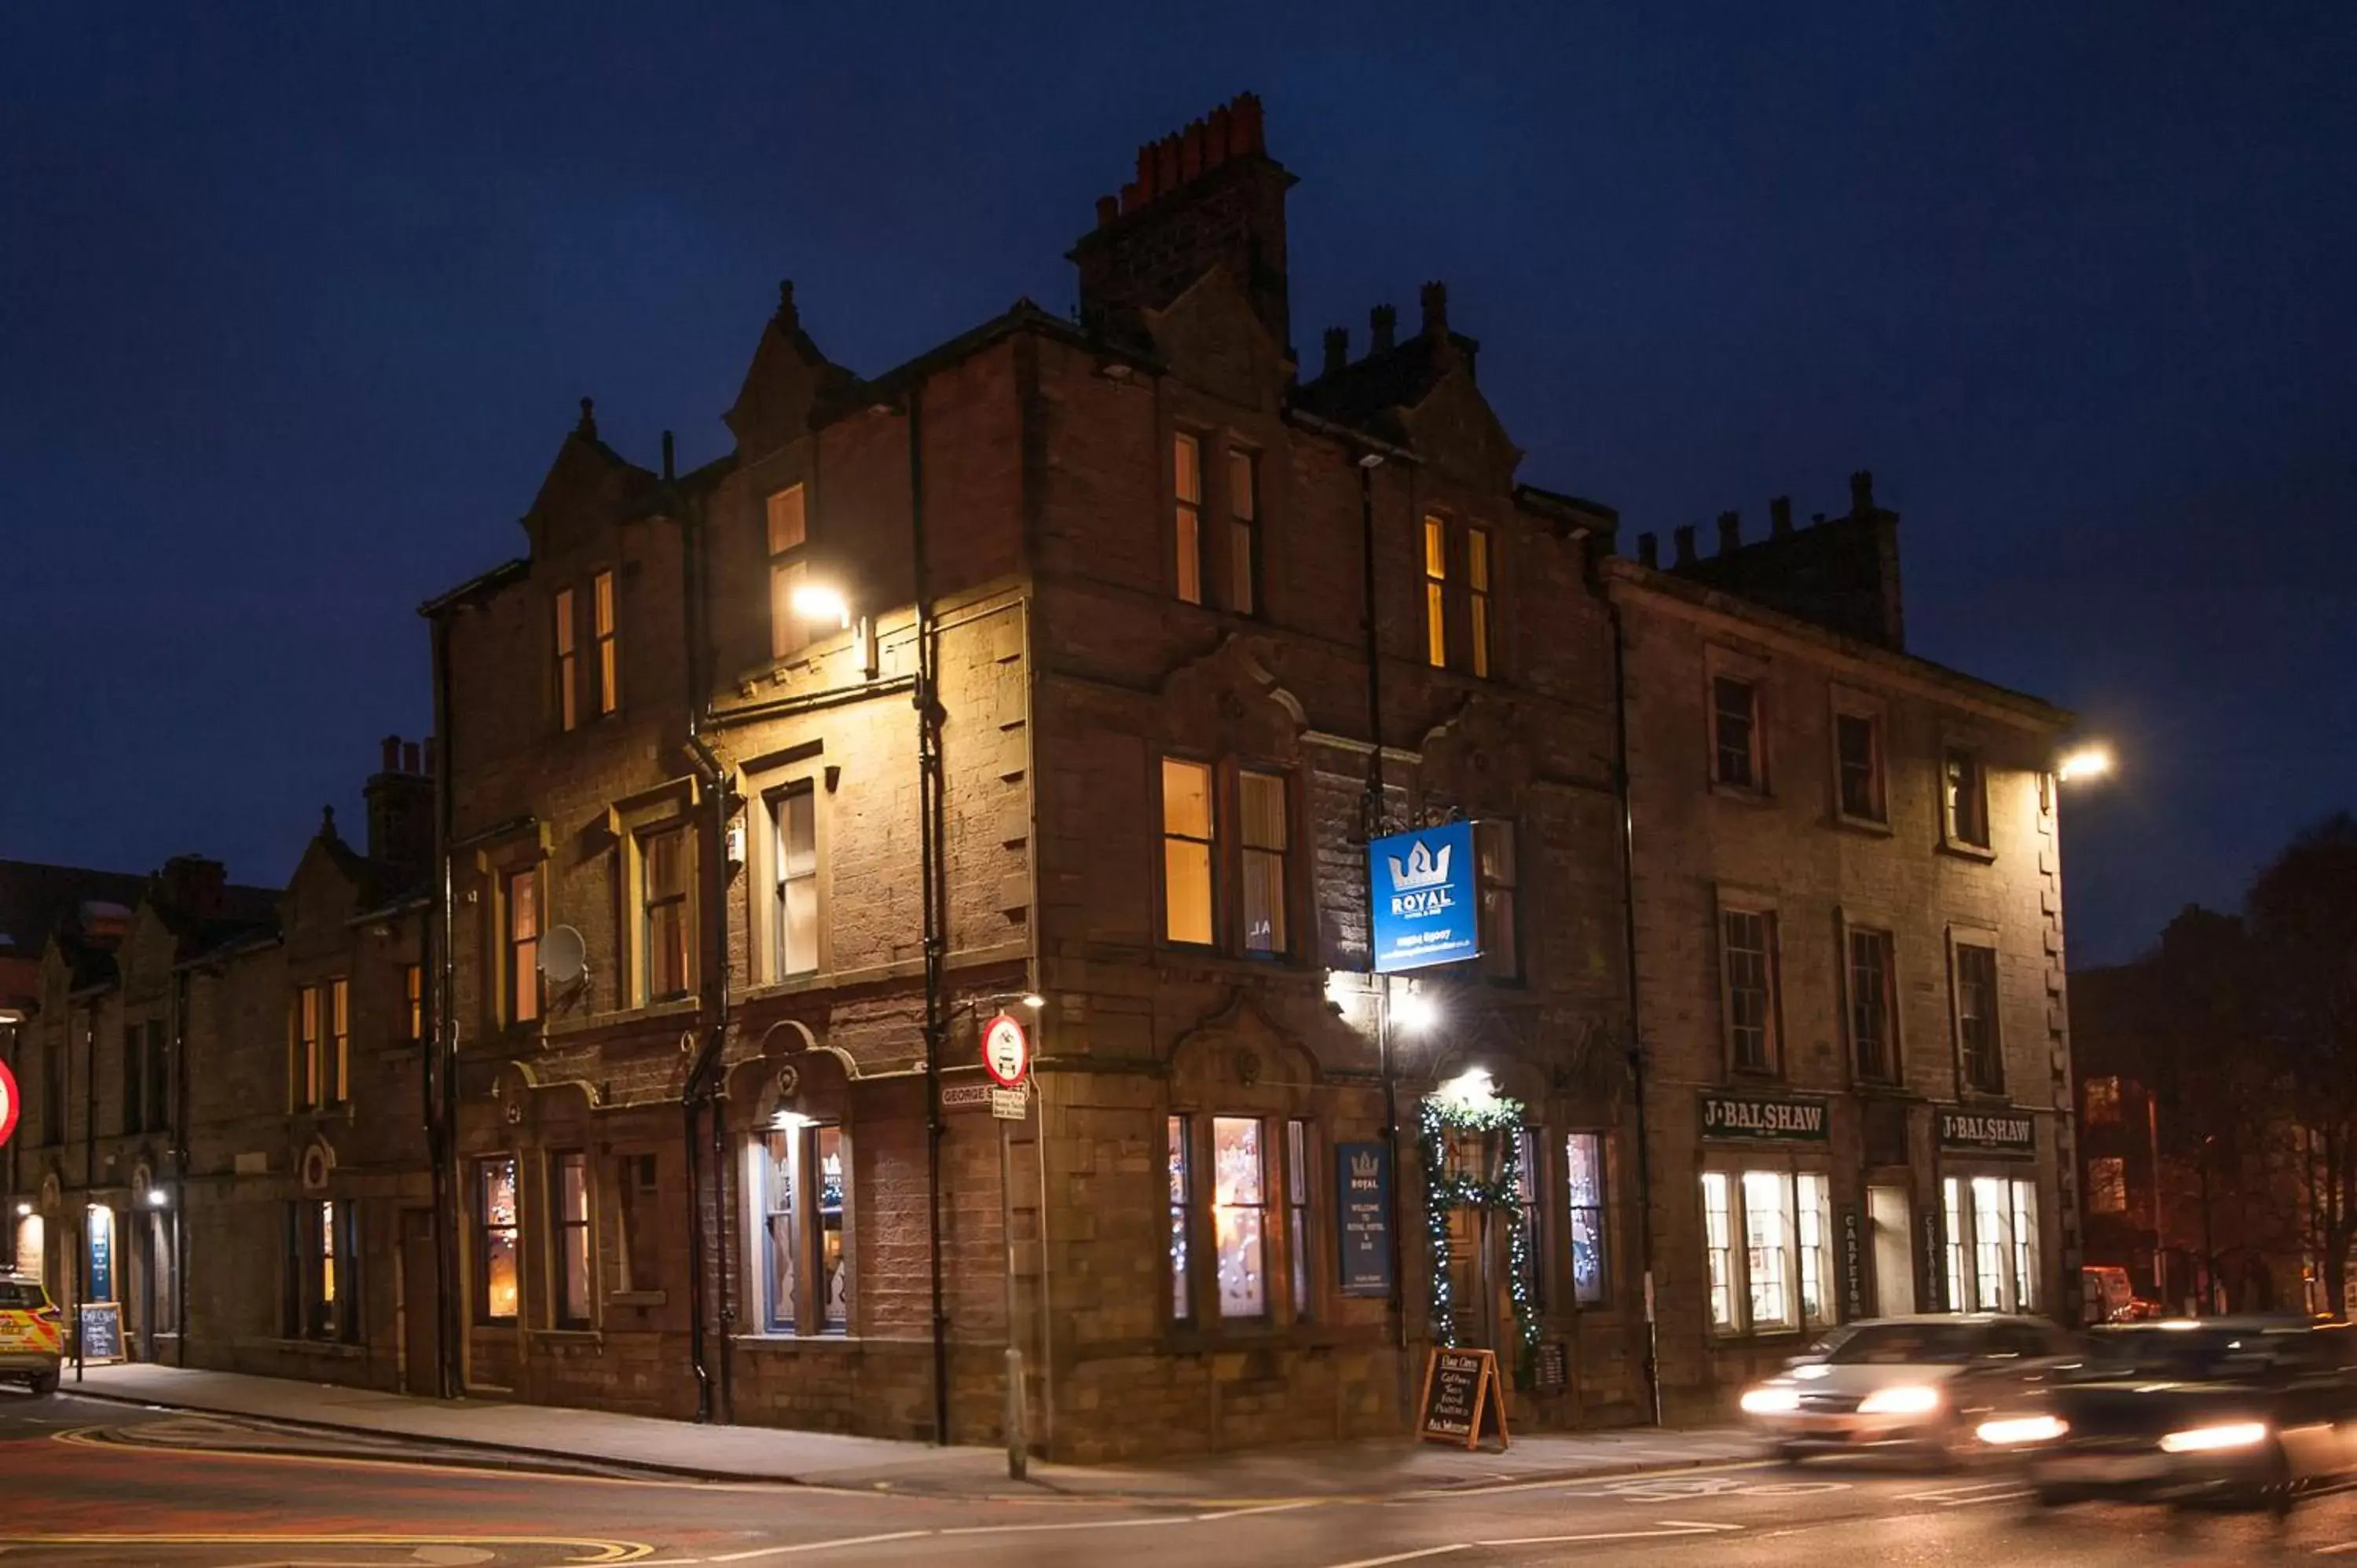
(7, 1103)
(1006, 1052)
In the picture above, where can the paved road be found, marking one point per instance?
(85, 1482)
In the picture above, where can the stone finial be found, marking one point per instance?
(1434, 298)
(1685, 537)
(1338, 350)
(790, 316)
(328, 822)
(1780, 516)
(1861, 492)
(1382, 326)
(1730, 532)
(1649, 550)
(588, 426)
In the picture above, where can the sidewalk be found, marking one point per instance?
(814, 1458)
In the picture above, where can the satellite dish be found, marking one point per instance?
(564, 956)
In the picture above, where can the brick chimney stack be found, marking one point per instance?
(1206, 196)
(1730, 532)
(1383, 328)
(1648, 551)
(1434, 298)
(1780, 516)
(1685, 537)
(1337, 350)
(401, 809)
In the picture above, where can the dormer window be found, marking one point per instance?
(788, 531)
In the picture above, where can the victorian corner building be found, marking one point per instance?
(1083, 660)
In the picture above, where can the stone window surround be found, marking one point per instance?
(1214, 515)
(495, 863)
(1735, 897)
(628, 822)
(821, 1090)
(1965, 933)
(1456, 594)
(1282, 1315)
(1852, 701)
(1848, 919)
(1721, 660)
(1974, 741)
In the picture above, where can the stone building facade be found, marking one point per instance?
(1067, 670)
(224, 1149)
(1848, 931)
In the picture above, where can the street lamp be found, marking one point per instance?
(823, 604)
(1415, 1011)
(2083, 763)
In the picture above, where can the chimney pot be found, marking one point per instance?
(1250, 131)
(1383, 325)
(1649, 550)
(1861, 492)
(1730, 532)
(1190, 150)
(667, 471)
(1108, 209)
(1338, 350)
(1166, 166)
(1219, 143)
(409, 758)
(1434, 300)
(1685, 537)
(392, 744)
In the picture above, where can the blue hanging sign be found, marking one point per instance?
(1363, 1231)
(1426, 905)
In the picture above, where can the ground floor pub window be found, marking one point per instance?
(801, 1183)
(1991, 1254)
(1583, 1159)
(495, 1240)
(1767, 1238)
(1239, 1203)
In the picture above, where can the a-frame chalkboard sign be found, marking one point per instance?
(1462, 1401)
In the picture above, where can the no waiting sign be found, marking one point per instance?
(1006, 1052)
(7, 1103)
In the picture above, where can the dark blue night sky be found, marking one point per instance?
(295, 306)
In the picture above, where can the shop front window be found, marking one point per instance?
(1781, 1277)
(1768, 1242)
(1814, 1207)
(1718, 1240)
(780, 1152)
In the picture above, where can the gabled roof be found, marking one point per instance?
(36, 898)
(1368, 394)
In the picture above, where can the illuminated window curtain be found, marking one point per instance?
(1436, 593)
(668, 963)
(1186, 481)
(1718, 1240)
(796, 909)
(1992, 1224)
(1187, 833)
(1266, 850)
(1583, 1156)
(1239, 1201)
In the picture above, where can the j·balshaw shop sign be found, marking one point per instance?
(1988, 1132)
(1781, 1119)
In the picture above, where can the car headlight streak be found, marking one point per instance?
(1769, 1400)
(1905, 1399)
(2212, 1439)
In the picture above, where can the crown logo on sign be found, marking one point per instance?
(1424, 868)
(1365, 1167)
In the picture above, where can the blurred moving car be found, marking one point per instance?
(1922, 1384)
(2242, 1410)
(32, 1338)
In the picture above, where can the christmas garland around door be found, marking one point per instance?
(1435, 1117)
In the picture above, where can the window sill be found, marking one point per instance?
(776, 1339)
(1967, 852)
(1865, 827)
(677, 1008)
(583, 1335)
(1746, 794)
(638, 1298)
